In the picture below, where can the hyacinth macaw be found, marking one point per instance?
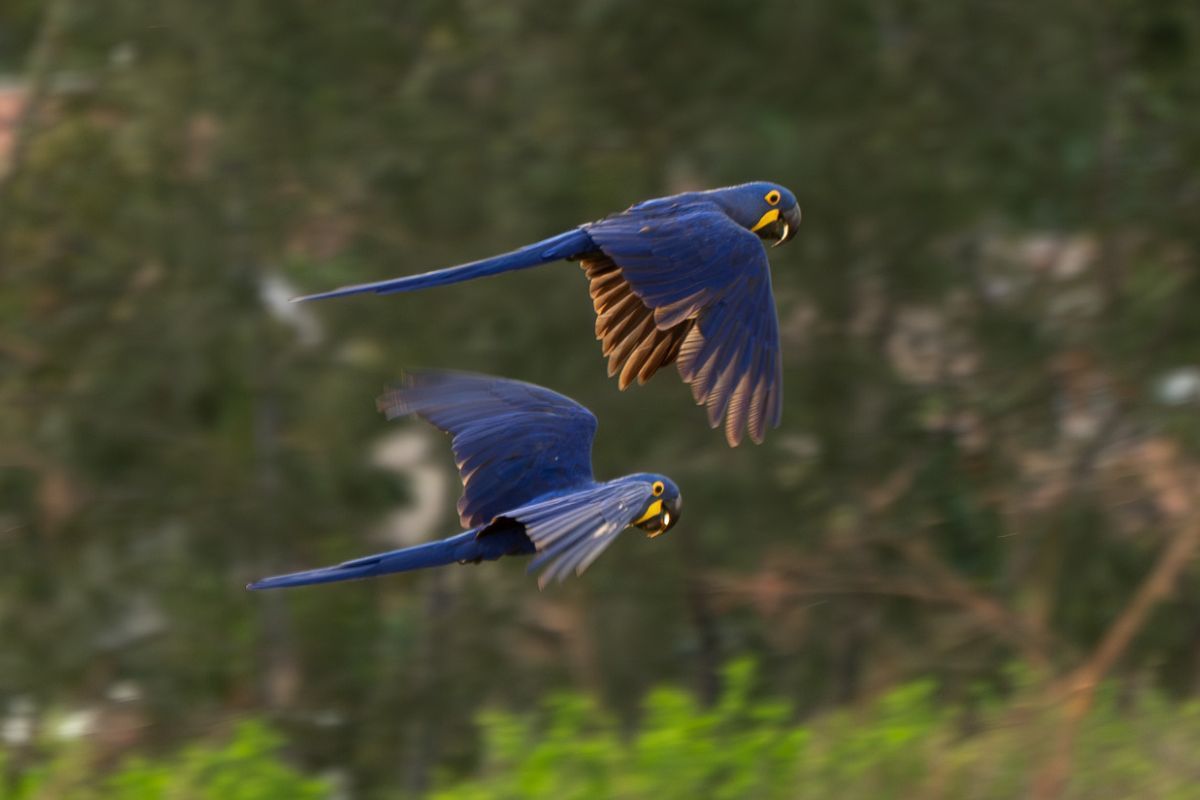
(524, 454)
(681, 279)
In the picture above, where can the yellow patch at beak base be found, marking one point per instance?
(651, 512)
(766, 219)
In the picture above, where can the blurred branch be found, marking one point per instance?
(1173, 482)
(936, 585)
(931, 580)
(1025, 634)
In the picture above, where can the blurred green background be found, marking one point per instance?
(961, 568)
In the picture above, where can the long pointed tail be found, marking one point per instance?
(463, 547)
(565, 245)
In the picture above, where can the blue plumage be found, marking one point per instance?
(556, 248)
(524, 455)
(681, 279)
(463, 548)
(513, 442)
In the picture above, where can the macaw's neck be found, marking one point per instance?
(671, 203)
(732, 203)
(729, 203)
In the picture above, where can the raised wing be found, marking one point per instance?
(706, 279)
(571, 531)
(513, 442)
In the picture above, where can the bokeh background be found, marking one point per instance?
(962, 568)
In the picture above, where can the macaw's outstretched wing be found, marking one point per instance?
(513, 441)
(691, 286)
(570, 531)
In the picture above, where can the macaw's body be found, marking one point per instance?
(524, 454)
(681, 279)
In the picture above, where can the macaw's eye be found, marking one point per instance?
(772, 197)
(657, 488)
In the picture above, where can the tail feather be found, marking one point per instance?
(566, 245)
(463, 547)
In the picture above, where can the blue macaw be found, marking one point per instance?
(681, 279)
(524, 454)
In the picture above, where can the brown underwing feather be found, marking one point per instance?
(657, 357)
(611, 321)
(619, 329)
(605, 296)
(629, 336)
(626, 347)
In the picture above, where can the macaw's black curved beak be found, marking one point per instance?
(659, 518)
(778, 226)
(786, 226)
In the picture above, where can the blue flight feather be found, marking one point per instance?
(569, 532)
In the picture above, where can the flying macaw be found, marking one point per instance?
(524, 454)
(681, 279)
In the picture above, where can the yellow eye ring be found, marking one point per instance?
(772, 197)
(657, 488)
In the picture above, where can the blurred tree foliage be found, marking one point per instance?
(989, 344)
(903, 744)
(244, 768)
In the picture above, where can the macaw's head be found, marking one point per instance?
(767, 209)
(662, 509)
